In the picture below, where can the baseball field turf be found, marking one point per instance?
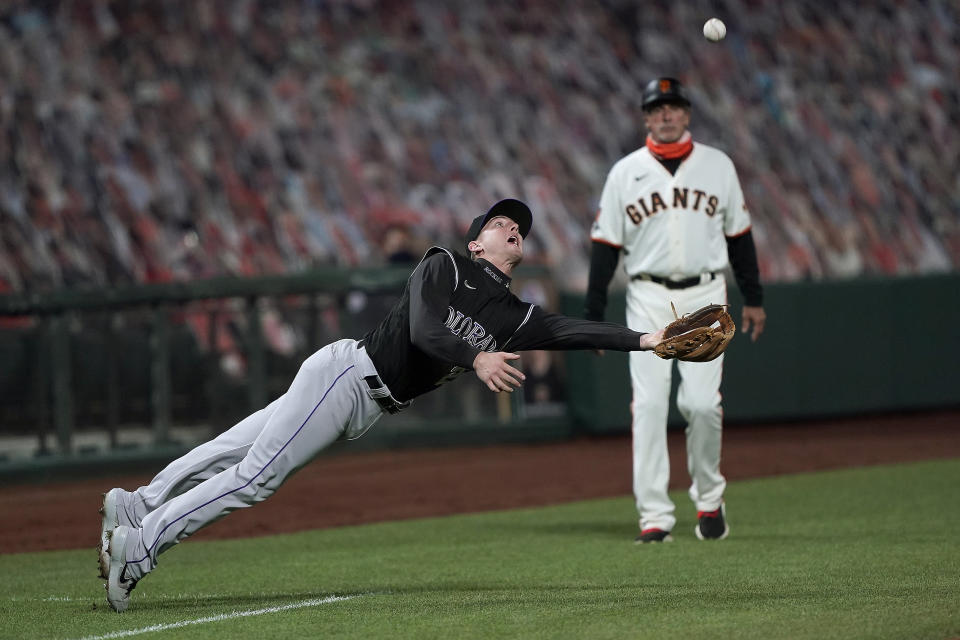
(872, 552)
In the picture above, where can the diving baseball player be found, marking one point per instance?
(455, 314)
(675, 210)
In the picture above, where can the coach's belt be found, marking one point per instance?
(381, 394)
(686, 283)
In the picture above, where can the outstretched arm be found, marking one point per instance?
(557, 332)
(495, 371)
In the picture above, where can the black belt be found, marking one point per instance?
(387, 403)
(686, 283)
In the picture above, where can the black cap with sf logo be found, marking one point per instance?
(660, 90)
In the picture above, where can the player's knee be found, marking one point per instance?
(652, 414)
(265, 486)
(260, 483)
(699, 408)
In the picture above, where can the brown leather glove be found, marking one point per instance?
(694, 337)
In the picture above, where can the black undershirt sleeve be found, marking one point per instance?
(603, 262)
(743, 260)
(556, 332)
(431, 286)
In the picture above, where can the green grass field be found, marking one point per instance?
(863, 553)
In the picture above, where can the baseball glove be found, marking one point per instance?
(694, 337)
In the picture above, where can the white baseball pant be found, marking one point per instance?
(327, 400)
(698, 399)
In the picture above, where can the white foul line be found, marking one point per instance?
(219, 618)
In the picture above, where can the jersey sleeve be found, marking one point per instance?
(743, 260)
(603, 262)
(736, 220)
(608, 226)
(557, 332)
(431, 286)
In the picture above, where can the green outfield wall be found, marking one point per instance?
(82, 371)
(830, 349)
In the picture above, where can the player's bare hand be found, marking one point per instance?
(495, 370)
(649, 340)
(756, 317)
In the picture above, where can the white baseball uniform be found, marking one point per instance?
(673, 228)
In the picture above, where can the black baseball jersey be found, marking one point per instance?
(452, 308)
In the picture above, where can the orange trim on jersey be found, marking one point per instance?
(609, 244)
(742, 233)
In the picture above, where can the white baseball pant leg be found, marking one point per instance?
(327, 400)
(648, 309)
(200, 464)
(650, 378)
(698, 399)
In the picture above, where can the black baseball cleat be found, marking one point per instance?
(712, 525)
(653, 535)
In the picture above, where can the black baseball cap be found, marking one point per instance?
(513, 209)
(660, 90)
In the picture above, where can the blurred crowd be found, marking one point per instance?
(156, 140)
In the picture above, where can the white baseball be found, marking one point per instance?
(714, 30)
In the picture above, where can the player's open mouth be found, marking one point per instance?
(512, 239)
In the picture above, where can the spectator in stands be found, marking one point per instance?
(259, 128)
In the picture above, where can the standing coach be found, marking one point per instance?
(675, 209)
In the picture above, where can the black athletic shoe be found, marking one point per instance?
(653, 535)
(712, 525)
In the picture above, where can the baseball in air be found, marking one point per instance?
(714, 30)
